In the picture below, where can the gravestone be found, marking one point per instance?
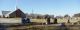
(25, 20)
(63, 27)
(68, 21)
(48, 20)
(55, 21)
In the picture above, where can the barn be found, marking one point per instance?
(15, 14)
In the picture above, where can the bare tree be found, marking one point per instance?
(46, 16)
(52, 16)
(39, 17)
(66, 16)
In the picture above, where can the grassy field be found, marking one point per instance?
(38, 26)
(18, 20)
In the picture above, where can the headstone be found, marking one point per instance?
(55, 21)
(48, 20)
(27, 20)
(63, 27)
(68, 21)
(23, 21)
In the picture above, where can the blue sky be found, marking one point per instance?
(52, 7)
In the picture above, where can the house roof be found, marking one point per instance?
(5, 12)
(7, 15)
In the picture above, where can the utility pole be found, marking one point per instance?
(32, 13)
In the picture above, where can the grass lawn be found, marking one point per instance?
(38, 27)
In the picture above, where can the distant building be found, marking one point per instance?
(34, 16)
(4, 13)
(59, 17)
(76, 15)
(15, 14)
